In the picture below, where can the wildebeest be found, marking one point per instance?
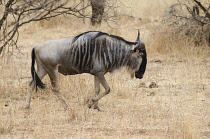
(91, 52)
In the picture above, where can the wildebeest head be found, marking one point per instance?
(141, 51)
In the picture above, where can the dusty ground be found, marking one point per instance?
(176, 106)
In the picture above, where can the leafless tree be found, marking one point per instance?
(16, 13)
(21, 12)
(98, 7)
(190, 18)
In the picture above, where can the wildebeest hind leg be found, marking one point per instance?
(41, 73)
(54, 80)
(28, 98)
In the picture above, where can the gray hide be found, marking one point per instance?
(91, 52)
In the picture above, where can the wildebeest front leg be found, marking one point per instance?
(97, 90)
(94, 101)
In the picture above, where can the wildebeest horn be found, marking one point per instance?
(138, 37)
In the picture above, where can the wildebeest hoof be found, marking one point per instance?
(90, 103)
(27, 107)
(94, 105)
(55, 90)
(100, 110)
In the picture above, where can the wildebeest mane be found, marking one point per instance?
(122, 39)
(99, 33)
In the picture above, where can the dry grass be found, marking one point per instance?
(178, 108)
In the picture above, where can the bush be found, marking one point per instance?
(183, 24)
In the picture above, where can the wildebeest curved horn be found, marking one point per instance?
(138, 37)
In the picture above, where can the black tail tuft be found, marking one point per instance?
(35, 77)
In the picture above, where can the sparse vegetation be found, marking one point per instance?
(186, 25)
(178, 107)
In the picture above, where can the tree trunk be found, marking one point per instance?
(98, 7)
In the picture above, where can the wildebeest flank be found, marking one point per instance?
(91, 52)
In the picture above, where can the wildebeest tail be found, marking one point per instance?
(35, 77)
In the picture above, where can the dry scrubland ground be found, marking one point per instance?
(178, 107)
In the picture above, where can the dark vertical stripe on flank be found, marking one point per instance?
(77, 56)
(74, 50)
(120, 55)
(101, 54)
(106, 54)
(81, 56)
(85, 58)
(91, 48)
(99, 51)
(114, 55)
(97, 47)
(109, 55)
(117, 57)
(89, 55)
